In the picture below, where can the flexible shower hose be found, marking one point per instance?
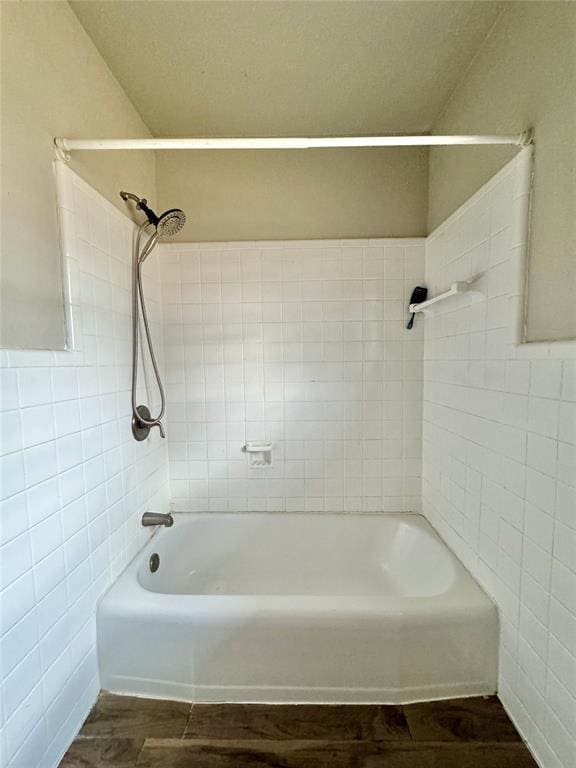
(139, 306)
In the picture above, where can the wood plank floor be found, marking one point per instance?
(126, 732)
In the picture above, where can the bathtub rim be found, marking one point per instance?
(128, 590)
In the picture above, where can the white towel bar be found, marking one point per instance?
(454, 290)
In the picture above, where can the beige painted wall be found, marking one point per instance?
(54, 83)
(283, 195)
(524, 75)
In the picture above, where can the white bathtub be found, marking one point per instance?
(298, 608)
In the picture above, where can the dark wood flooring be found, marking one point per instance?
(126, 732)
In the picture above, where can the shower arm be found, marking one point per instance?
(141, 205)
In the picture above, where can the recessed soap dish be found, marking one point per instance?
(259, 454)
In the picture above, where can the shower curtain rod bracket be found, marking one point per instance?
(61, 150)
(527, 137)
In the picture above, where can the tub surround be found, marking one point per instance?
(74, 485)
(499, 458)
(499, 448)
(301, 344)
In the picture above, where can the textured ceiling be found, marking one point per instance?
(286, 68)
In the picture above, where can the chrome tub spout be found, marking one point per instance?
(157, 518)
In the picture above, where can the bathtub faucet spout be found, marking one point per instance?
(157, 518)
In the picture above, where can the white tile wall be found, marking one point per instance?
(74, 485)
(499, 459)
(302, 344)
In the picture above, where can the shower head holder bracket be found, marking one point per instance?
(141, 430)
(142, 423)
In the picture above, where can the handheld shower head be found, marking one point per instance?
(168, 223)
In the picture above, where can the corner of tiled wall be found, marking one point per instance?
(74, 485)
(499, 458)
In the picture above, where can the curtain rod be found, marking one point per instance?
(65, 146)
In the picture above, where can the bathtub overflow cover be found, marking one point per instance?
(154, 562)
